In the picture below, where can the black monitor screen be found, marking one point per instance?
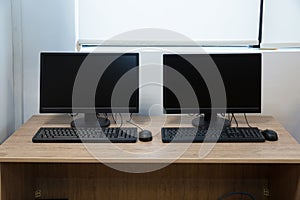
(89, 82)
(241, 75)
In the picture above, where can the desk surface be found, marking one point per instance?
(19, 148)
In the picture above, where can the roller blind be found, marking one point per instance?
(225, 22)
(281, 26)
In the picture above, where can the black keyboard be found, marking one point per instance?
(177, 135)
(92, 135)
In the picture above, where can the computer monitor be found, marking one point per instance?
(89, 83)
(240, 73)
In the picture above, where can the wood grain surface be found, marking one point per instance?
(19, 147)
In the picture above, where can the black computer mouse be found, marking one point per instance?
(270, 135)
(145, 136)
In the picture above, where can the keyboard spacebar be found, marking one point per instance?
(192, 139)
(91, 140)
(213, 139)
(66, 137)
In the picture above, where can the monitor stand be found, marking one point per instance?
(90, 120)
(206, 121)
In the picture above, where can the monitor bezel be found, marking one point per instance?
(44, 109)
(203, 110)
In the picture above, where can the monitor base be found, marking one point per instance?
(205, 121)
(90, 120)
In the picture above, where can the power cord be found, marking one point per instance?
(246, 119)
(72, 114)
(105, 114)
(130, 122)
(121, 117)
(237, 124)
(194, 114)
(231, 119)
(98, 115)
(228, 117)
(113, 117)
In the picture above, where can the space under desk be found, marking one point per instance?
(269, 170)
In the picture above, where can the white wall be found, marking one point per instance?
(282, 89)
(47, 25)
(6, 71)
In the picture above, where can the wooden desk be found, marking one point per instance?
(269, 170)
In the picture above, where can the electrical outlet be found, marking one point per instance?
(266, 192)
(38, 194)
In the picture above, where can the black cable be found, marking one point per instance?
(130, 122)
(237, 124)
(72, 114)
(231, 118)
(228, 117)
(246, 119)
(121, 120)
(194, 114)
(98, 115)
(135, 125)
(251, 196)
(113, 117)
(223, 115)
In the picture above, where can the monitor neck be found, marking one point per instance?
(210, 119)
(90, 120)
